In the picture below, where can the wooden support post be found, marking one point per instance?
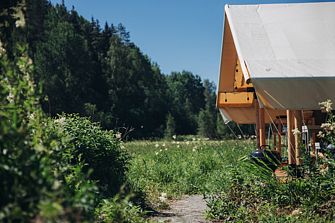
(274, 134)
(261, 127)
(257, 124)
(297, 136)
(313, 139)
(279, 138)
(290, 138)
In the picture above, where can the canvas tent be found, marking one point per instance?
(277, 57)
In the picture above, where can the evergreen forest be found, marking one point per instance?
(94, 69)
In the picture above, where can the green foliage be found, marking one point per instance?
(38, 179)
(252, 194)
(51, 170)
(170, 129)
(185, 92)
(206, 124)
(98, 149)
(207, 116)
(119, 210)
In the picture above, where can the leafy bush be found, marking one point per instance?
(99, 150)
(37, 178)
(119, 210)
(52, 170)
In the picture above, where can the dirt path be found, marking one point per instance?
(189, 209)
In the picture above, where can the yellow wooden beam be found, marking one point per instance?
(239, 81)
(235, 99)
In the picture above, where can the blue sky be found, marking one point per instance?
(177, 34)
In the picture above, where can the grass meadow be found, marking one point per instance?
(235, 189)
(170, 169)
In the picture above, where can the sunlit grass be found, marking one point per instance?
(175, 168)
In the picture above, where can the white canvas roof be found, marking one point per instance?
(287, 51)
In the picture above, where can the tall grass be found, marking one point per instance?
(235, 189)
(175, 168)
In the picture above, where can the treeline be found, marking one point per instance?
(96, 71)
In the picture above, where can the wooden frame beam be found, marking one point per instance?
(290, 138)
(262, 133)
(258, 144)
(297, 137)
(279, 138)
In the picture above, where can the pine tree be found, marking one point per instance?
(170, 129)
(207, 116)
(221, 128)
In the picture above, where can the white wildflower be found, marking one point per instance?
(193, 150)
(156, 153)
(56, 184)
(2, 49)
(118, 135)
(10, 97)
(320, 134)
(160, 150)
(193, 139)
(32, 116)
(19, 23)
(156, 145)
(178, 146)
(296, 132)
(328, 127)
(326, 105)
(325, 125)
(163, 145)
(324, 170)
(187, 143)
(163, 197)
(60, 121)
(296, 212)
(174, 137)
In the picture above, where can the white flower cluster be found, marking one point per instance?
(326, 105)
(328, 128)
(60, 121)
(296, 132)
(163, 197)
(2, 49)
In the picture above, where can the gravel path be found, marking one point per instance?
(190, 209)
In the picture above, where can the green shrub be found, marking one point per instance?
(38, 180)
(119, 210)
(99, 150)
(51, 170)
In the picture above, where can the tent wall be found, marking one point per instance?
(287, 51)
(248, 115)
